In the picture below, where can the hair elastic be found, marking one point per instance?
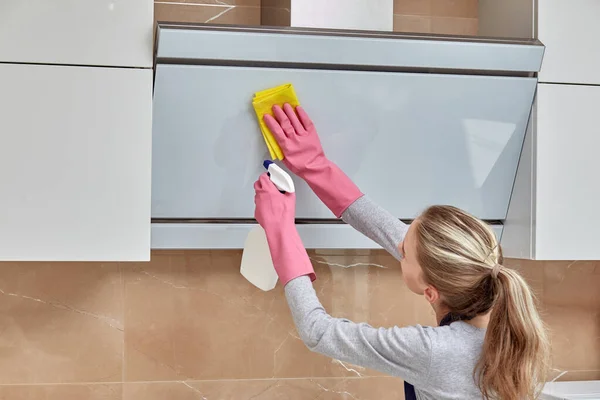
(496, 270)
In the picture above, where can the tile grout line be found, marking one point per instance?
(207, 380)
(124, 323)
(340, 378)
(219, 15)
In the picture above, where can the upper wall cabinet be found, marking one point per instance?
(571, 33)
(414, 121)
(75, 156)
(76, 32)
(553, 210)
(568, 173)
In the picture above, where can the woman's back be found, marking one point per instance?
(456, 349)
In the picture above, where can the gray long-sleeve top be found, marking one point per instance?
(438, 361)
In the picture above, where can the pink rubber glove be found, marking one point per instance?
(275, 212)
(304, 156)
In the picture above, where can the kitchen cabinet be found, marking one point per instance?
(553, 209)
(76, 32)
(552, 213)
(75, 163)
(408, 120)
(571, 33)
(567, 189)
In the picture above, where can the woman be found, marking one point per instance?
(490, 344)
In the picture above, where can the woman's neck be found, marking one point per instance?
(480, 321)
(440, 312)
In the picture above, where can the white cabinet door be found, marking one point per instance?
(82, 32)
(75, 156)
(571, 33)
(568, 173)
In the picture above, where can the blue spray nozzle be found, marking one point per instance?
(266, 163)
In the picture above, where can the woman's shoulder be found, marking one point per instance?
(458, 344)
(456, 333)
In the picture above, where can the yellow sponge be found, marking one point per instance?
(263, 103)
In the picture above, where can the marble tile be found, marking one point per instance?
(275, 16)
(412, 24)
(206, 13)
(276, 3)
(190, 315)
(193, 315)
(575, 335)
(454, 26)
(289, 389)
(297, 389)
(162, 390)
(572, 283)
(412, 7)
(579, 376)
(455, 8)
(362, 291)
(370, 389)
(60, 322)
(568, 298)
(533, 272)
(62, 392)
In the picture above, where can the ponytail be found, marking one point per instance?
(461, 257)
(515, 352)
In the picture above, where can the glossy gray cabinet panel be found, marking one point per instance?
(366, 49)
(233, 236)
(408, 140)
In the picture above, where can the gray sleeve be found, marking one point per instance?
(403, 352)
(377, 224)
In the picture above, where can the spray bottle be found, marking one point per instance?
(257, 265)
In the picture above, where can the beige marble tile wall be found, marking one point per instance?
(451, 17)
(236, 12)
(188, 326)
(276, 12)
(457, 17)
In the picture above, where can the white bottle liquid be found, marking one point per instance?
(257, 264)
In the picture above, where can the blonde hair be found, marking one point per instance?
(461, 257)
